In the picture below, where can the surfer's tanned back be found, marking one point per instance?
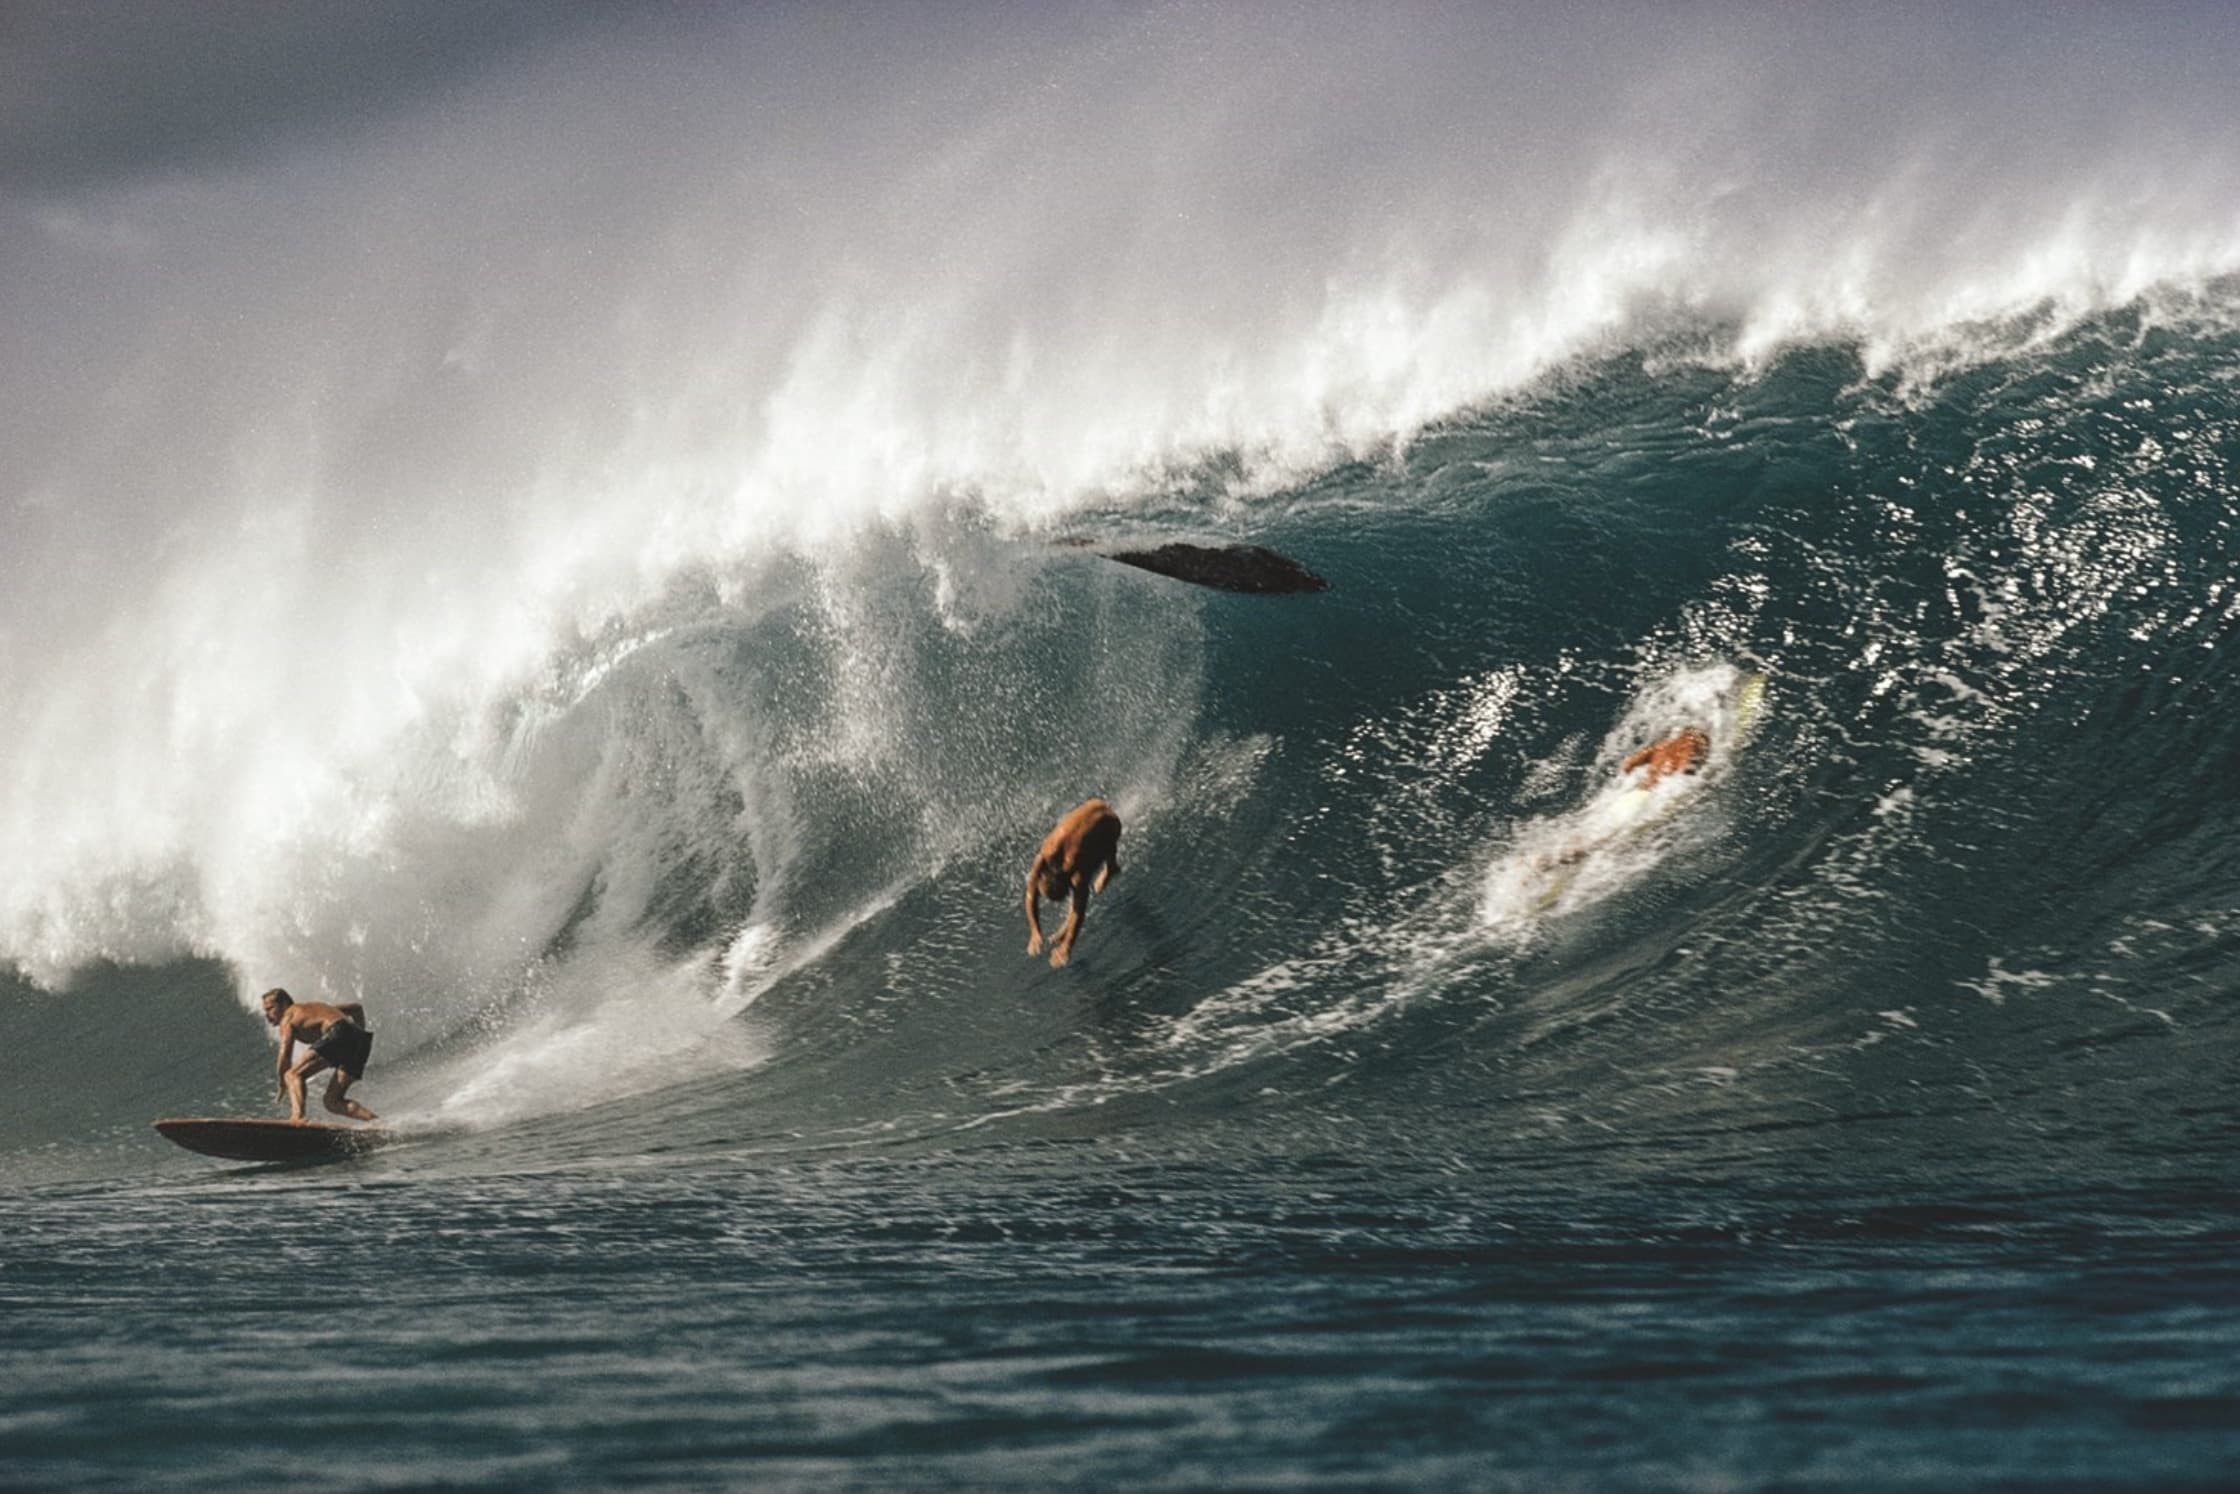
(1080, 856)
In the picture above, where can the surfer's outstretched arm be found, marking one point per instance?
(1034, 916)
(287, 1051)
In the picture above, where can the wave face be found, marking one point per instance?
(594, 603)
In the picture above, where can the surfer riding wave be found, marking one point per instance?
(336, 1037)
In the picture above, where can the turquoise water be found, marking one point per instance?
(1867, 1123)
(595, 584)
(1113, 1311)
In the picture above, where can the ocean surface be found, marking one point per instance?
(594, 572)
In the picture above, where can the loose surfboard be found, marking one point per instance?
(271, 1140)
(1253, 570)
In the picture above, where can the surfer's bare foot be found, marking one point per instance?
(338, 1102)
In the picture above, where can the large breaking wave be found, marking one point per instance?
(559, 552)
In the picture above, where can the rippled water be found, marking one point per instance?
(1865, 1123)
(1110, 1312)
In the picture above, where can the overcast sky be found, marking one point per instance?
(92, 88)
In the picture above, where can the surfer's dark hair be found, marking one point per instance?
(280, 996)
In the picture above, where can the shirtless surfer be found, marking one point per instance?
(337, 1039)
(1077, 858)
(1682, 753)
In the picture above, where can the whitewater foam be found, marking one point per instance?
(336, 442)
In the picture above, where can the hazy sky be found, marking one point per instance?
(93, 88)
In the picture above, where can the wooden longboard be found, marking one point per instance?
(271, 1140)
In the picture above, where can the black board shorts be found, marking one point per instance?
(346, 1046)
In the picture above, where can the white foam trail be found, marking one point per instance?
(1572, 859)
(624, 1022)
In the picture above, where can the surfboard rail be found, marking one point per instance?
(239, 1139)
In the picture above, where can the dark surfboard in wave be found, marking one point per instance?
(1251, 569)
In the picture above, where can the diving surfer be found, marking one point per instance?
(1078, 857)
(336, 1038)
(1681, 753)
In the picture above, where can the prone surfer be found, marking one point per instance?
(1078, 857)
(336, 1037)
(1680, 753)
